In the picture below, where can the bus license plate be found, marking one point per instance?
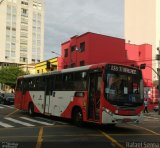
(126, 120)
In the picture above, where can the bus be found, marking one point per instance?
(100, 93)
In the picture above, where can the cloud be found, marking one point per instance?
(66, 18)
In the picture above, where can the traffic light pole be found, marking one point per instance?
(159, 96)
(143, 66)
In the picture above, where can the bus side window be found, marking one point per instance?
(68, 83)
(49, 84)
(19, 85)
(30, 83)
(80, 81)
(40, 84)
(58, 82)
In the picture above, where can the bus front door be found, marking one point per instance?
(95, 82)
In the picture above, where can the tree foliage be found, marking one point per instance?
(8, 75)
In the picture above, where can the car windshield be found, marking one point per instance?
(123, 89)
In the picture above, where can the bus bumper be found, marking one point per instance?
(110, 118)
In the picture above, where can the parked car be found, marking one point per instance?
(7, 98)
(1, 97)
(155, 108)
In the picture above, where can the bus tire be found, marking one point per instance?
(31, 109)
(78, 117)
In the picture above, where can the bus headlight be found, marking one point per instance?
(107, 111)
(116, 111)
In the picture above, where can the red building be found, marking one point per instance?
(92, 48)
(142, 54)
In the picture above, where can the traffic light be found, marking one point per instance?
(48, 66)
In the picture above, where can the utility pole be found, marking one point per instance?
(159, 91)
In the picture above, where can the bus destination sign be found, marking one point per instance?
(119, 68)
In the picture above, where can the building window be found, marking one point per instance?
(24, 12)
(14, 29)
(23, 59)
(8, 28)
(82, 63)
(82, 46)
(73, 48)
(24, 2)
(73, 65)
(6, 57)
(37, 71)
(65, 66)
(66, 53)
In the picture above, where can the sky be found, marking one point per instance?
(67, 18)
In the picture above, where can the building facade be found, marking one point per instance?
(142, 26)
(22, 31)
(141, 54)
(91, 48)
(48, 65)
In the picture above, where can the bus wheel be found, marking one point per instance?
(31, 109)
(78, 117)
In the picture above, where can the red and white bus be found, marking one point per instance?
(100, 93)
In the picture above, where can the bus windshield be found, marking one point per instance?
(123, 89)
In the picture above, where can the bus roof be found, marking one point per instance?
(58, 71)
(82, 68)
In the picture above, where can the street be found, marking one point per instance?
(17, 129)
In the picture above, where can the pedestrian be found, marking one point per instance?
(145, 106)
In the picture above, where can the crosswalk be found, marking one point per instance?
(5, 125)
(10, 122)
(24, 121)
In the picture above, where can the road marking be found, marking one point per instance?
(115, 142)
(40, 139)
(151, 117)
(5, 125)
(59, 122)
(124, 134)
(19, 122)
(1, 107)
(149, 120)
(7, 106)
(21, 128)
(12, 113)
(36, 121)
(155, 133)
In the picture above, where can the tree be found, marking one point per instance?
(8, 75)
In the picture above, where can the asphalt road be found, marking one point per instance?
(18, 130)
